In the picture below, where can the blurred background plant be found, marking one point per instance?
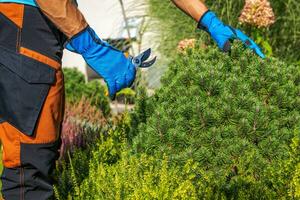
(275, 25)
(77, 88)
(257, 13)
(82, 120)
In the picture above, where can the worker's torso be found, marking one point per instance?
(26, 2)
(31, 49)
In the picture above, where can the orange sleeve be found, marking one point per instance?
(64, 14)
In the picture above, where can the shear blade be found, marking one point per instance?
(148, 64)
(145, 55)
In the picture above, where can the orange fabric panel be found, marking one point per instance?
(49, 123)
(40, 57)
(11, 145)
(64, 14)
(15, 12)
(47, 130)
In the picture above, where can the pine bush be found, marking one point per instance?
(235, 115)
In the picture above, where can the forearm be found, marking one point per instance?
(64, 14)
(193, 8)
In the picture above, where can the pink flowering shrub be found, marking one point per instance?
(185, 44)
(79, 119)
(258, 13)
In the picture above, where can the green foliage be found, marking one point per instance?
(233, 115)
(283, 37)
(126, 96)
(76, 88)
(83, 127)
(221, 127)
(286, 177)
(109, 147)
(140, 112)
(70, 173)
(147, 177)
(134, 177)
(106, 148)
(293, 168)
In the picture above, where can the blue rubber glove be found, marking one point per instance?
(223, 34)
(117, 71)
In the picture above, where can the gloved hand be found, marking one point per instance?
(223, 34)
(118, 71)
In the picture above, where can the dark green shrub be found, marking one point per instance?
(233, 115)
(74, 84)
(77, 88)
(140, 112)
(283, 36)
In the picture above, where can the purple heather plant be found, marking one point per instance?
(74, 128)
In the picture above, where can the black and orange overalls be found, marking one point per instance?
(32, 92)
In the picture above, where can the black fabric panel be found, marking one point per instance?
(25, 183)
(8, 32)
(23, 94)
(20, 102)
(41, 157)
(27, 68)
(41, 35)
(24, 85)
(32, 180)
(11, 186)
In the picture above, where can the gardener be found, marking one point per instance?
(33, 34)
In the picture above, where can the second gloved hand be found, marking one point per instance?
(223, 34)
(118, 71)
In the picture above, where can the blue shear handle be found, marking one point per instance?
(117, 71)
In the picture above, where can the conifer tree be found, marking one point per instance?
(235, 115)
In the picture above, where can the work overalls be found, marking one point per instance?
(31, 100)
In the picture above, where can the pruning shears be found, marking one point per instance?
(140, 61)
